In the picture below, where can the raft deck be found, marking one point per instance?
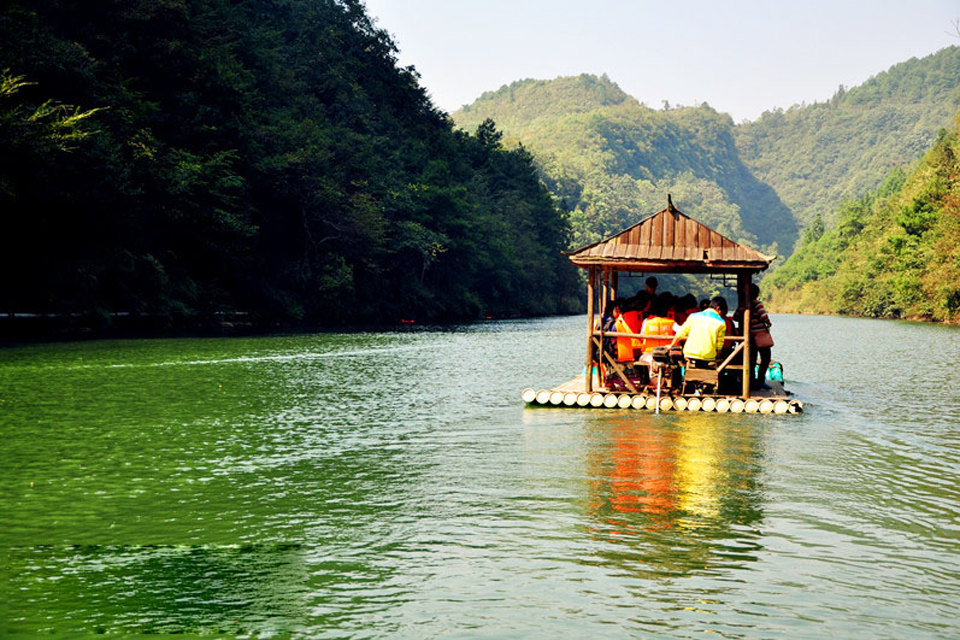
(571, 394)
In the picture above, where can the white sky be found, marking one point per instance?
(742, 57)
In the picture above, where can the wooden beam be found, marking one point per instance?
(616, 367)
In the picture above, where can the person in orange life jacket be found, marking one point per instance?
(759, 336)
(656, 324)
(639, 302)
(625, 321)
(703, 334)
(630, 321)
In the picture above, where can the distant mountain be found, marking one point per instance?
(818, 155)
(611, 159)
(894, 253)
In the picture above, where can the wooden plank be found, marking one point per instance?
(716, 241)
(693, 234)
(669, 230)
(646, 232)
(619, 371)
(656, 232)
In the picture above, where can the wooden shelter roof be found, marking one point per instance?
(667, 242)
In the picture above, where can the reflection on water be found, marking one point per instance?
(677, 494)
(393, 485)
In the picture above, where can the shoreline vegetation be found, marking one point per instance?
(186, 160)
(894, 253)
(192, 168)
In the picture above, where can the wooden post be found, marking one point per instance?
(744, 302)
(604, 292)
(747, 350)
(591, 277)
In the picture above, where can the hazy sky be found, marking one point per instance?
(741, 57)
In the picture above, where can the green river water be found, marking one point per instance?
(393, 485)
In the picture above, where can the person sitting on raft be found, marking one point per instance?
(703, 334)
(656, 324)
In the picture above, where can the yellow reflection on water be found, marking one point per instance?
(674, 492)
(698, 477)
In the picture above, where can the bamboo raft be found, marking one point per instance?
(667, 242)
(571, 394)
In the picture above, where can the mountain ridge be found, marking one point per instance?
(611, 158)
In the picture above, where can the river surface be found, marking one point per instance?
(393, 485)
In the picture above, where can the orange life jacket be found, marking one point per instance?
(658, 327)
(634, 321)
(624, 345)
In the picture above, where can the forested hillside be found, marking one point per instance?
(186, 158)
(612, 159)
(895, 252)
(818, 155)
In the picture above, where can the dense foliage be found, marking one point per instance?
(818, 155)
(613, 160)
(895, 253)
(185, 158)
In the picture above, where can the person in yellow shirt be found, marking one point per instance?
(703, 333)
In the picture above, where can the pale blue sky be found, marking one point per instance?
(742, 57)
